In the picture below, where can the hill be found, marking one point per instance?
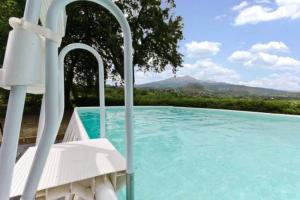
(195, 86)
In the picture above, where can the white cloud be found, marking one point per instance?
(208, 70)
(258, 56)
(204, 69)
(202, 49)
(220, 17)
(285, 9)
(263, 1)
(269, 47)
(240, 56)
(274, 61)
(265, 60)
(240, 6)
(141, 77)
(284, 81)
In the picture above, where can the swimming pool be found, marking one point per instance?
(187, 153)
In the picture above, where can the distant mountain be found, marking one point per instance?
(178, 82)
(193, 85)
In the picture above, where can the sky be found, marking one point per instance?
(253, 42)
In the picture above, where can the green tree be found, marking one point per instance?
(8, 8)
(156, 32)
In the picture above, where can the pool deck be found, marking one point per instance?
(87, 159)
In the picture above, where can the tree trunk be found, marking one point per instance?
(69, 75)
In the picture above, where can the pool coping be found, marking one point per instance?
(195, 108)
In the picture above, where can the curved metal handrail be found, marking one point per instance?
(90, 49)
(61, 98)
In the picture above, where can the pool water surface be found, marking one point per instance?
(193, 154)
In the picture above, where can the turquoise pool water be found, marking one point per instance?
(195, 154)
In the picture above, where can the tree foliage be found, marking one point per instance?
(8, 8)
(156, 32)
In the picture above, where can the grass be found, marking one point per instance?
(115, 96)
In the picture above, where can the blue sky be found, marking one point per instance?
(253, 42)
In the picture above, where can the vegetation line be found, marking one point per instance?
(114, 97)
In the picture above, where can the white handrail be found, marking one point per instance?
(61, 107)
(61, 58)
(13, 118)
(51, 97)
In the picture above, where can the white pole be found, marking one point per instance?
(61, 59)
(13, 118)
(61, 107)
(51, 100)
(41, 122)
(51, 119)
(10, 138)
(104, 189)
(102, 100)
